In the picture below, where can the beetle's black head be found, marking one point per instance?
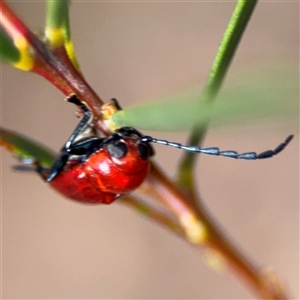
(117, 147)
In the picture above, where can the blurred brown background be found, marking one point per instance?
(56, 248)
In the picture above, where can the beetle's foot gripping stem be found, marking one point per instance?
(44, 172)
(116, 103)
(75, 100)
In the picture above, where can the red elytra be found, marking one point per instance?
(98, 170)
(102, 178)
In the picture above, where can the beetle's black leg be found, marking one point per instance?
(81, 149)
(66, 150)
(44, 172)
(58, 165)
(83, 124)
(86, 146)
(31, 164)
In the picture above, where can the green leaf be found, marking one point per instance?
(26, 149)
(256, 96)
(259, 98)
(173, 113)
(8, 51)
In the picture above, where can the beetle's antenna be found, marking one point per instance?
(216, 151)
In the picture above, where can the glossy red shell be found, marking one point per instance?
(103, 178)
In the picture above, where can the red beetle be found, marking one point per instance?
(99, 170)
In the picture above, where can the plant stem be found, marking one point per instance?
(160, 218)
(54, 65)
(232, 36)
(57, 15)
(214, 243)
(9, 52)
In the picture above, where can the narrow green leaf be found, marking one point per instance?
(26, 149)
(256, 96)
(8, 51)
(173, 113)
(259, 98)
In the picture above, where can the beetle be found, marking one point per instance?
(99, 170)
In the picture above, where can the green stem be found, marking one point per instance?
(232, 36)
(57, 14)
(57, 30)
(8, 51)
(228, 46)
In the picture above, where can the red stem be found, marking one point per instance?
(55, 66)
(163, 188)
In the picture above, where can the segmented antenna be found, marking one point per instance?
(216, 151)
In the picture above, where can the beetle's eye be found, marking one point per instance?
(144, 150)
(117, 149)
